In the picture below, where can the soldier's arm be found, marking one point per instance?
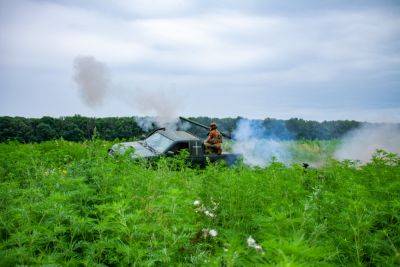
(208, 137)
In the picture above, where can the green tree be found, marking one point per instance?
(73, 133)
(44, 132)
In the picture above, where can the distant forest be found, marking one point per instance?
(79, 128)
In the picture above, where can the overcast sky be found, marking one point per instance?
(317, 60)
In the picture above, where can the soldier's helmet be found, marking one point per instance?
(213, 125)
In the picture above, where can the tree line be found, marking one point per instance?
(79, 128)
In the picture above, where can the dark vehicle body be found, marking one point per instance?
(163, 142)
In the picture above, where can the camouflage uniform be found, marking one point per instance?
(214, 141)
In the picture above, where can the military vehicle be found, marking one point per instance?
(164, 142)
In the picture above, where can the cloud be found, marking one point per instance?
(146, 8)
(220, 41)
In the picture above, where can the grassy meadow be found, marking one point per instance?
(66, 203)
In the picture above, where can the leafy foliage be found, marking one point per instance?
(78, 128)
(69, 203)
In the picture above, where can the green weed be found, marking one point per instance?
(71, 204)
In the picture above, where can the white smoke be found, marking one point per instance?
(92, 78)
(145, 123)
(361, 143)
(256, 147)
(161, 104)
(150, 122)
(184, 126)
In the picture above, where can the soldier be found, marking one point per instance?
(214, 140)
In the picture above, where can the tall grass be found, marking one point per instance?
(70, 204)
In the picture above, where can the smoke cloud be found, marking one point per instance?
(256, 146)
(360, 144)
(145, 123)
(92, 78)
(161, 104)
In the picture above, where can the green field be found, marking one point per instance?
(70, 204)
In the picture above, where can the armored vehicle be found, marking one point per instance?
(164, 142)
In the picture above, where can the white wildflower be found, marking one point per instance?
(209, 214)
(208, 232)
(213, 233)
(205, 232)
(199, 207)
(253, 244)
